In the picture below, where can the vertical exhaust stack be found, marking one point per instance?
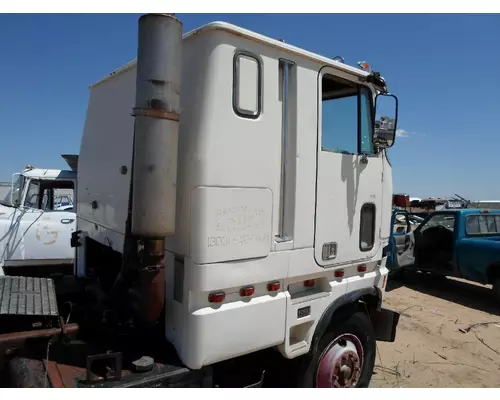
(157, 114)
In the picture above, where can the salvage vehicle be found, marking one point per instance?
(401, 222)
(231, 237)
(462, 243)
(37, 219)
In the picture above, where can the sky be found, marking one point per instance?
(443, 68)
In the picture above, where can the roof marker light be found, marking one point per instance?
(364, 65)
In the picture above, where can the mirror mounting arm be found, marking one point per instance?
(376, 79)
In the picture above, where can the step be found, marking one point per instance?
(21, 295)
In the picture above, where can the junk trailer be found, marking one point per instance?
(232, 224)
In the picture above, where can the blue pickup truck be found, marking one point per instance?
(458, 243)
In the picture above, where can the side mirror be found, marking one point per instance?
(15, 192)
(386, 119)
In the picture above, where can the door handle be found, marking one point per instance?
(67, 220)
(329, 251)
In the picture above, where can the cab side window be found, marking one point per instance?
(482, 224)
(33, 194)
(347, 126)
(50, 195)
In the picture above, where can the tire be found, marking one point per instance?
(349, 345)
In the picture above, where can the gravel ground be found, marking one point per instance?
(431, 348)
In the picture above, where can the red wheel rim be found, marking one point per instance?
(341, 363)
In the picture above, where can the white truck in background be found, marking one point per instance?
(237, 241)
(37, 218)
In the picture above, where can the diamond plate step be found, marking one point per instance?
(21, 295)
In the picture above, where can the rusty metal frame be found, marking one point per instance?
(8, 339)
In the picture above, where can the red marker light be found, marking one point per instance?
(362, 268)
(309, 283)
(248, 291)
(339, 273)
(363, 65)
(273, 287)
(216, 297)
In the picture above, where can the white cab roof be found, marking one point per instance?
(238, 31)
(49, 173)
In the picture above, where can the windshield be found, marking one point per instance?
(445, 220)
(14, 193)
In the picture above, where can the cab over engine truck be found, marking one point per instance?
(37, 219)
(232, 229)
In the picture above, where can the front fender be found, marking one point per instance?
(384, 321)
(346, 299)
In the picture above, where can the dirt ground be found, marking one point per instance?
(430, 349)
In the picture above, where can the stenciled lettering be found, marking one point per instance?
(237, 240)
(216, 241)
(239, 219)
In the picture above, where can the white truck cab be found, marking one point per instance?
(282, 187)
(37, 218)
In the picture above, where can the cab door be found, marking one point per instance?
(401, 241)
(349, 173)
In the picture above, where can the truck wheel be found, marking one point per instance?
(344, 356)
